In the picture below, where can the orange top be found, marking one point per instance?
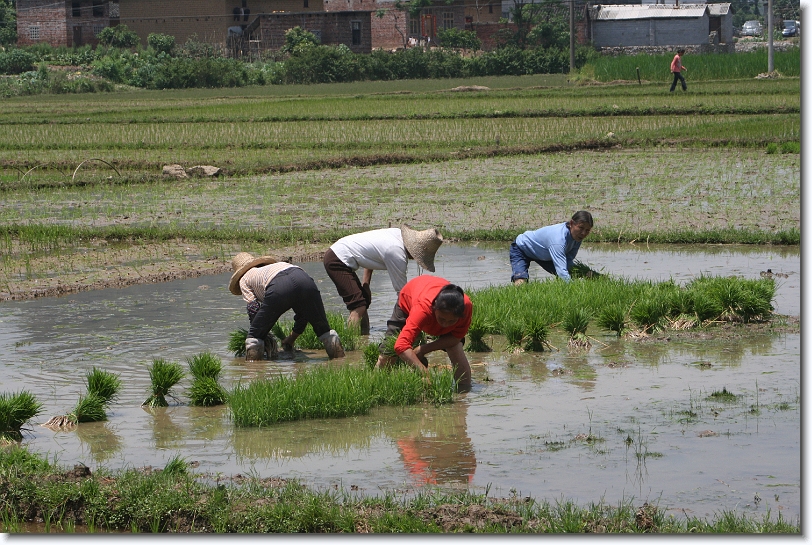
(415, 299)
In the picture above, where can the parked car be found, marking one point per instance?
(791, 28)
(751, 28)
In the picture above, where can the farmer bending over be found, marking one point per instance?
(433, 305)
(380, 249)
(270, 289)
(553, 247)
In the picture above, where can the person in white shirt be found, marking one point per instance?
(376, 250)
(270, 289)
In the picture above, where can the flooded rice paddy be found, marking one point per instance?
(625, 420)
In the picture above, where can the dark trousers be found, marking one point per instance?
(520, 264)
(290, 289)
(678, 77)
(347, 282)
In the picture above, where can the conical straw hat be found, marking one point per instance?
(242, 263)
(422, 245)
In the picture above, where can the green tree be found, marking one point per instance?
(8, 22)
(118, 36)
(542, 23)
(298, 39)
(460, 39)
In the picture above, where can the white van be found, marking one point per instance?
(751, 28)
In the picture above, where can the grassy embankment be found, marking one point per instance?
(175, 499)
(81, 174)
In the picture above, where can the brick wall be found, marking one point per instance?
(42, 21)
(332, 27)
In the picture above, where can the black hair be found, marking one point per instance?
(581, 216)
(450, 299)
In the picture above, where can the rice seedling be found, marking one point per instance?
(647, 314)
(371, 353)
(236, 342)
(176, 466)
(103, 384)
(582, 270)
(15, 411)
(723, 395)
(513, 330)
(613, 318)
(536, 330)
(89, 408)
(575, 323)
(205, 390)
(164, 376)
(333, 393)
(476, 333)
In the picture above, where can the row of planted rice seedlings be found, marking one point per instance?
(524, 314)
(443, 133)
(334, 393)
(350, 335)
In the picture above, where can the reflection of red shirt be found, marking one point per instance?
(461, 466)
(415, 300)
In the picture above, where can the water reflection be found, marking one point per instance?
(101, 441)
(436, 449)
(166, 434)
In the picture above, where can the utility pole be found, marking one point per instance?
(770, 52)
(572, 36)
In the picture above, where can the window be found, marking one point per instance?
(414, 26)
(306, 3)
(448, 20)
(33, 32)
(490, 8)
(97, 29)
(76, 9)
(356, 32)
(98, 8)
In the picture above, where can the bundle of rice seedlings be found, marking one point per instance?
(103, 384)
(176, 466)
(102, 388)
(350, 335)
(164, 375)
(536, 330)
(575, 322)
(236, 342)
(682, 322)
(16, 410)
(476, 334)
(648, 314)
(371, 354)
(582, 270)
(205, 390)
(613, 318)
(513, 330)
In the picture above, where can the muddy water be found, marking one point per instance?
(624, 420)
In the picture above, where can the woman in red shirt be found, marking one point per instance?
(439, 308)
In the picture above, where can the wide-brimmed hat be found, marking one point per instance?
(422, 245)
(241, 264)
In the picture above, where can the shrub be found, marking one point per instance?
(161, 43)
(16, 61)
(462, 39)
(118, 36)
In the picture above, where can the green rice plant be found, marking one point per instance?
(163, 376)
(236, 342)
(536, 331)
(176, 466)
(648, 314)
(613, 318)
(89, 408)
(733, 299)
(205, 391)
(15, 411)
(205, 365)
(333, 393)
(103, 384)
(723, 395)
(479, 328)
(575, 323)
(772, 148)
(790, 147)
(371, 353)
(350, 335)
(513, 330)
(582, 270)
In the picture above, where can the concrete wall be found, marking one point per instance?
(682, 31)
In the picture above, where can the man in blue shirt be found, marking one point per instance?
(552, 247)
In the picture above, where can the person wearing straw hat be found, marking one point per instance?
(553, 247)
(435, 306)
(376, 250)
(270, 288)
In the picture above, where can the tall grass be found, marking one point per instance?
(742, 65)
(334, 393)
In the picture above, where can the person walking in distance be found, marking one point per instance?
(676, 69)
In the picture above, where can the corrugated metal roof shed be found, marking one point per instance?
(650, 11)
(717, 10)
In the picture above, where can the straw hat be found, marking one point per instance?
(422, 245)
(241, 264)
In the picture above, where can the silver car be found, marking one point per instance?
(751, 28)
